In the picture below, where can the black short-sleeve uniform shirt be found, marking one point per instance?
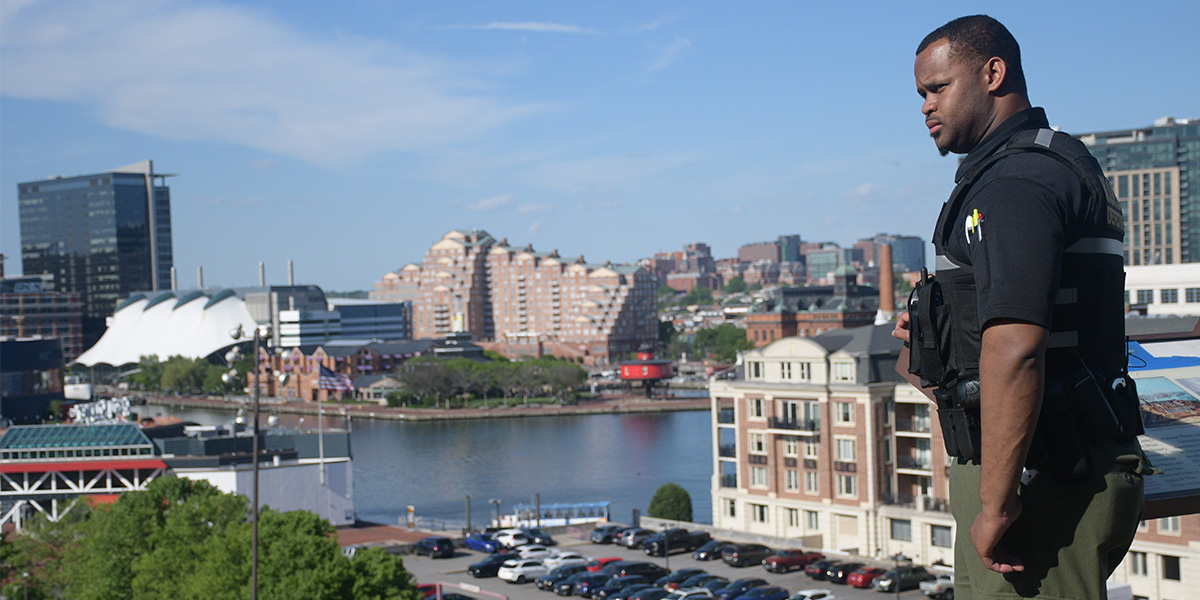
(1015, 222)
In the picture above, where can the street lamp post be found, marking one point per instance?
(262, 332)
(497, 502)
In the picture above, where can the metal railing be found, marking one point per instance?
(725, 415)
(793, 424)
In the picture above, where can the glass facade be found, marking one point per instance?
(99, 236)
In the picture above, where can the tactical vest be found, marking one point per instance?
(1087, 323)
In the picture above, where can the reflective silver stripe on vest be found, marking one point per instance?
(1067, 296)
(941, 263)
(1097, 245)
(1044, 137)
(1063, 339)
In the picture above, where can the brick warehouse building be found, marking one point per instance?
(520, 302)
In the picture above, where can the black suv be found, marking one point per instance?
(741, 555)
(648, 570)
(435, 547)
(674, 540)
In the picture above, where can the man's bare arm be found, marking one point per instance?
(1012, 370)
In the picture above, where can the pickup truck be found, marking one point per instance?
(788, 560)
(941, 588)
(674, 540)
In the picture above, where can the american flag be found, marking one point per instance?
(334, 381)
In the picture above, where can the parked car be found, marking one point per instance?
(941, 588)
(674, 540)
(489, 565)
(537, 536)
(619, 537)
(838, 572)
(604, 534)
(614, 567)
(616, 584)
(765, 592)
(737, 588)
(435, 547)
(565, 558)
(699, 580)
(741, 555)
(789, 560)
(483, 542)
(671, 582)
(648, 570)
(634, 538)
(693, 594)
(816, 568)
(566, 587)
(599, 563)
(557, 574)
(520, 570)
(714, 585)
(511, 538)
(629, 591)
(907, 577)
(590, 583)
(813, 595)
(650, 593)
(863, 577)
(427, 589)
(711, 550)
(534, 551)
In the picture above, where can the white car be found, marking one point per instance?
(813, 595)
(511, 538)
(692, 594)
(534, 552)
(563, 559)
(521, 570)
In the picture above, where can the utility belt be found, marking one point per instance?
(1079, 409)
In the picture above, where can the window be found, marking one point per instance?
(758, 512)
(902, 530)
(756, 370)
(1170, 567)
(785, 370)
(758, 443)
(793, 517)
(1145, 296)
(810, 482)
(845, 450)
(1143, 526)
(805, 371)
(1170, 296)
(792, 479)
(939, 536)
(811, 449)
(1137, 563)
(791, 447)
(847, 485)
(843, 371)
(1169, 525)
(1192, 295)
(887, 449)
(731, 508)
(758, 477)
(812, 519)
(756, 408)
(844, 412)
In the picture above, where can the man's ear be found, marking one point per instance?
(994, 72)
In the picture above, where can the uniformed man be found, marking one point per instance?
(1022, 331)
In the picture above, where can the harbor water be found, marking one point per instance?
(435, 465)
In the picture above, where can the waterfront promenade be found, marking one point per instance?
(610, 404)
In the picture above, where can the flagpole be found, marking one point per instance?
(321, 436)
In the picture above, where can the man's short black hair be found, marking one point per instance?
(976, 39)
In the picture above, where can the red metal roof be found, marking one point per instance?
(80, 465)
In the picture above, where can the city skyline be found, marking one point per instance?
(350, 140)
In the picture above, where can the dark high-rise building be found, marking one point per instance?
(103, 236)
(1150, 171)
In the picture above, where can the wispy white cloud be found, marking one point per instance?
(528, 209)
(493, 203)
(533, 227)
(223, 73)
(532, 26)
(605, 174)
(670, 55)
(654, 24)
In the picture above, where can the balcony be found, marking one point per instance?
(845, 467)
(793, 424)
(729, 481)
(914, 464)
(725, 415)
(913, 425)
(727, 451)
(758, 459)
(920, 502)
(810, 463)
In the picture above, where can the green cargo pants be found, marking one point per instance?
(1070, 537)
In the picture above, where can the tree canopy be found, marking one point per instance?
(185, 539)
(188, 375)
(735, 286)
(430, 380)
(671, 502)
(722, 342)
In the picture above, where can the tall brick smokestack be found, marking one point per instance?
(887, 293)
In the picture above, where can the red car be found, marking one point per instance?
(863, 577)
(599, 563)
(789, 560)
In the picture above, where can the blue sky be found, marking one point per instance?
(350, 136)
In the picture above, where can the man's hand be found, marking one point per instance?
(901, 332)
(986, 533)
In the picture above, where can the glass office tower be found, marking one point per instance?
(103, 236)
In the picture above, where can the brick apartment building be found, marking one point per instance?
(812, 310)
(30, 308)
(520, 302)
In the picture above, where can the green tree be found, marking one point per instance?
(666, 333)
(181, 374)
(736, 285)
(671, 502)
(722, 342)
(700, 294)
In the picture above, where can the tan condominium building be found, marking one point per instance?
(526, 303)
(820, 442)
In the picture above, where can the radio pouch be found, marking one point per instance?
(929, 329)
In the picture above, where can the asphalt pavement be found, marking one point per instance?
(454, 571)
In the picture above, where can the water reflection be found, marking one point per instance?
(588, 458)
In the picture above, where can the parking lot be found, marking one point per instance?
(454, 570)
